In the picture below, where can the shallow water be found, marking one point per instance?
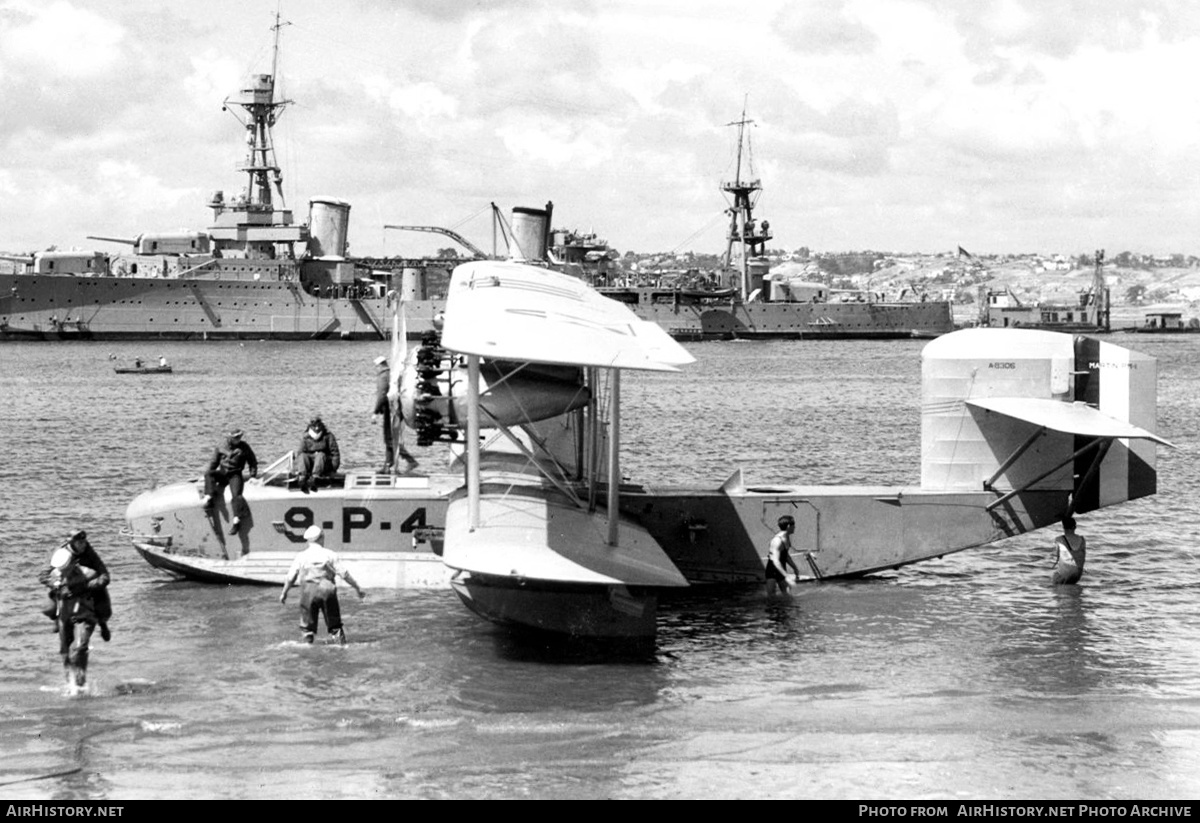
(961, 678)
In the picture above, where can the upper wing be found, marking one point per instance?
(520, 312)
(1072, 418)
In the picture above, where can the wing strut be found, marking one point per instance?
(987, 484)
(593, 444)
(614, 457)
(1099, 441)
(523, 449)
(472, 442)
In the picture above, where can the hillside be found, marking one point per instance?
(1134, 291)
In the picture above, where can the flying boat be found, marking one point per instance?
(533, 526)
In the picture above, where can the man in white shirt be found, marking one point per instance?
(315, 570)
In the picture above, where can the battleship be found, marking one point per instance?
(254, 273)
(258, 273)
(746, 300)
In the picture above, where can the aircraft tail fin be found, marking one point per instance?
(1025, 410)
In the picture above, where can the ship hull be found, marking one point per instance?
(689, 316)
(238, 307)
(58, 307)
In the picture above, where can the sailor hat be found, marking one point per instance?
(313, 533)
(61, 558)
(380, 360)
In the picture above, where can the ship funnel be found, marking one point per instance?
(328, 221)
(530, 228)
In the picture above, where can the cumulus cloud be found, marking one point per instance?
(58, 39)
(824, 27)
(881, 123)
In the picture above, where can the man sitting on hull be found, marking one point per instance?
(318, 455)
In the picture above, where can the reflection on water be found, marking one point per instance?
(965, 677)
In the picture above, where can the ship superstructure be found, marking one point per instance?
(253, 273)
(746, 300)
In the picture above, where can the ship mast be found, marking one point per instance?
(265, 177)
(750, 238)
(257, 221)
(1098, 299)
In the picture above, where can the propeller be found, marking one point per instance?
(396, 364)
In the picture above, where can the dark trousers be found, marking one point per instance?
(215, 482)
(316, 598)
(388, 447)
(314, 463)
(74, 639)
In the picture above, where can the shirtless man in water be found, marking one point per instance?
(779, 557)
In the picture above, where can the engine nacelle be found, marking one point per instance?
(433, 392)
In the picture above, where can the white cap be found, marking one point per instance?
(380, 360)
(313, 533)
(61, 558)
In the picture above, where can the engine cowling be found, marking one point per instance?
(433, 392)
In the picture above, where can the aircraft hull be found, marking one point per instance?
(388, 530)
(712, 536)
(578, 611)
(721, 536)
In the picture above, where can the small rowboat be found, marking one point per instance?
(142, 369)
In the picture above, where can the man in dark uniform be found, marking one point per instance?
(225, 469)
(383, 406)
(78, 581)
(318, 455)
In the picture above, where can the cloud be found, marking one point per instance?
(57, 40)
(823, 27)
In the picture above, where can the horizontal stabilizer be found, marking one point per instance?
(1071, 418)
(1032, 410)
(513, 311)
(531, 537)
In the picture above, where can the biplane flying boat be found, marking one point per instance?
(533, 527)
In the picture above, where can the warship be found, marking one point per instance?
(254, 273)
(258, 273)
(746, 300)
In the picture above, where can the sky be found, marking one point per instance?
(1001, 126)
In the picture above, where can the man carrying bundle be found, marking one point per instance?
(78, 582)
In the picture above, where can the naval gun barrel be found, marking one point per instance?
(126, 240)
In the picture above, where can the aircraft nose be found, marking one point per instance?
(157, 502)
